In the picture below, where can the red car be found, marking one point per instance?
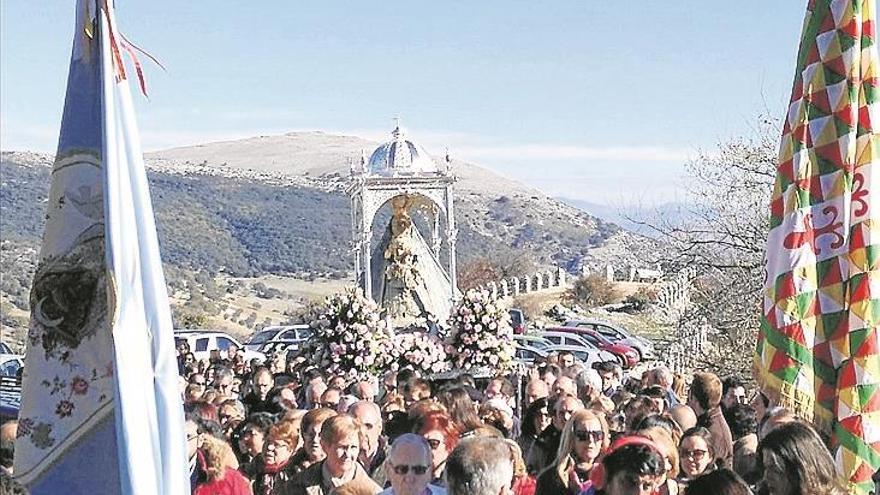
(627, 356)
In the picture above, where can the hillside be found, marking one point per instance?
(274, 205)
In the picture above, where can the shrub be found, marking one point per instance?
(592, 290)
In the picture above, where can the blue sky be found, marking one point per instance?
(584, 99)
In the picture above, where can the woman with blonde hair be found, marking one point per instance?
(222, 470)
(584, 438)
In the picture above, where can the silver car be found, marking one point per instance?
(588, 357)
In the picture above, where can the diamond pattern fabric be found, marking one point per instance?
(818, 349)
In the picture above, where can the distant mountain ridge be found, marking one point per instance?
(637, 219)
(276, 205)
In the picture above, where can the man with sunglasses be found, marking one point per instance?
(546, 445)
(409, 467)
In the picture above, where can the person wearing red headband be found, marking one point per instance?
(633, 466)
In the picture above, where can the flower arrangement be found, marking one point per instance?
(350, 339)
(419, 351)
(480, 333)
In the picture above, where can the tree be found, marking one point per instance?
(724, 237)
(477, 272)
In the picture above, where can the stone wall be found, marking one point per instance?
(529, 284)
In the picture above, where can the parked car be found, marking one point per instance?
(202, 342)
(585, 355)
(10, 385)
(532, 340)
(615, 333)
(627, 356)
(527, 354)
(10, 364)
(280, 346)
(292, 333)
(573, 340)
(5, 349)
(518, 321)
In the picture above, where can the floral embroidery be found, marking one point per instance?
(79, 385)
(41, 436)
(64, 408)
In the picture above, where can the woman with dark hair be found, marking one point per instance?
(462, 410)
(661, 421)
(634, 466)
(796, 462)
(584, 437)
(247, 442)
(536, 418)
(696, 453)
(442, 435)
(637, 409)
(719, 482)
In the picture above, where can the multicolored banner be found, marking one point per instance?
(100, 411)
(818, 349)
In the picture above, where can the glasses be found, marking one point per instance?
(190, 438)
(277, 445)
(330, 405)
(696, 454)
(434, 443)
(403, 469)
(594, 435)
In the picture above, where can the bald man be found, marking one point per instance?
(373, 446)
(684, 416)
(535, 389)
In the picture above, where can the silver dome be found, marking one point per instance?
(401, 157)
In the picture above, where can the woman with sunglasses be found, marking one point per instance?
(409, 467)
(696, 452)
(536, 418)
(442, 435)
(584, 438)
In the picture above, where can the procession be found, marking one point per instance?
(426, 372)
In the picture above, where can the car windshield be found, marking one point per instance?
(10, 368)
(581, 355)
(610, 332)
(261, 337)
(516, 318)
(602, 340)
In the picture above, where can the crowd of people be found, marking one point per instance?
(285, 427)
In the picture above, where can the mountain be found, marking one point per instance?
(276, 205)
(637, 219)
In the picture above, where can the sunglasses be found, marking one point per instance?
(403, 469)
(434, 443)
(594, 435)
(696, 454)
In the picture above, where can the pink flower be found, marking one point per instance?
(79, 385)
